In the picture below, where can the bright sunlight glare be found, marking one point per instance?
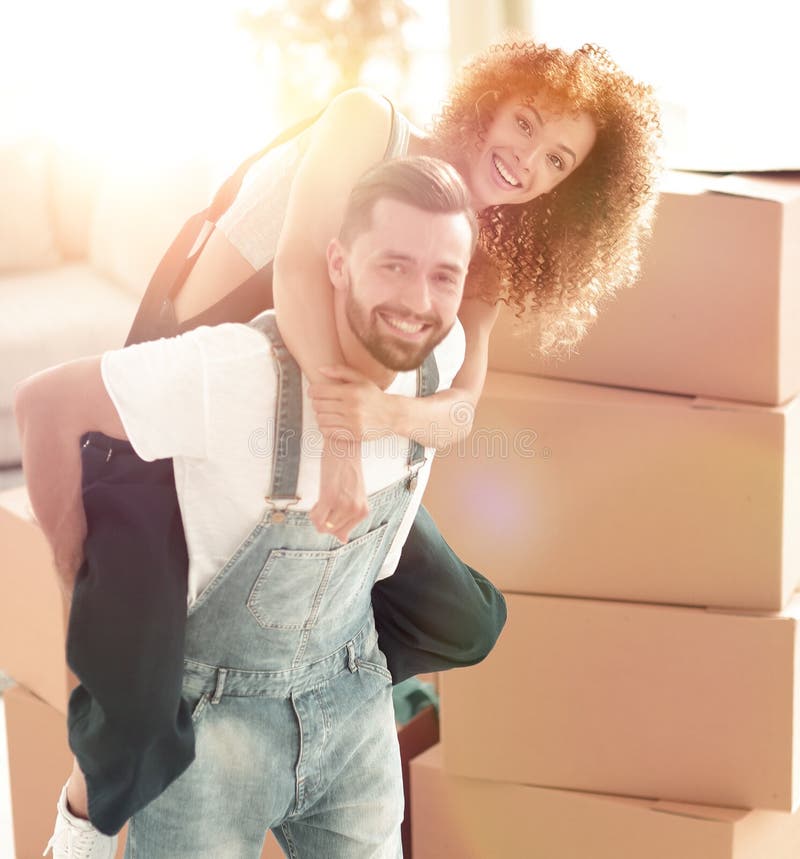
(137, 81)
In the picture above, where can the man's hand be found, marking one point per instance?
(342, 500)
(351, 405)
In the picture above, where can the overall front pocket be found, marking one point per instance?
(294, 584)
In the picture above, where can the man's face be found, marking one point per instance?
(528, 148)
(404, 277)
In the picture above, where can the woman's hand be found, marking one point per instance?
(351, 407)
(342, 500)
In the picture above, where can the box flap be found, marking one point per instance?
(701, 812)
(775, 188)
(678, 182)
(713, 404)
(791, 611)
(523, 386)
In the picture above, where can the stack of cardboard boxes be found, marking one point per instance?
(33, 623)
(640, 509)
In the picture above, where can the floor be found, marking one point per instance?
(6, 831)
(8, 479)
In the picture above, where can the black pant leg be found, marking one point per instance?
(435, 612)
(128, 726)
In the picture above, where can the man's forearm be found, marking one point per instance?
(442, 420)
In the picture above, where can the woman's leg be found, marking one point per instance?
(219, 268)
(435, 612)
(128, 727)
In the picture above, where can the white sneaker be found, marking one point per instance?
(75, 838)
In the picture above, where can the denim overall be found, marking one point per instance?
(290, 694)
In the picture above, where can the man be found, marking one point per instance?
(289, 693)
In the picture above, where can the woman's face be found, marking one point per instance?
(527, 149)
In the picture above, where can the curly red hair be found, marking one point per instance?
(561, 255)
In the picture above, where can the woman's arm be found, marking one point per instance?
(446, 418)
(348, 138)
(358, 407)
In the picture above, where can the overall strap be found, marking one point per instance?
(427, 384)
(288, 424)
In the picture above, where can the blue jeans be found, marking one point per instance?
(310, 753)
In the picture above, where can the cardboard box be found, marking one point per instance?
(33, 611)
(683, 704)
(583, 490)
(39, 763)
(716, 311)
(271, 849)
(464, 818)
(414, 737)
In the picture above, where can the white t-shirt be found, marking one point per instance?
(207, 400)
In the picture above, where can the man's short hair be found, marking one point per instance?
(427, 183)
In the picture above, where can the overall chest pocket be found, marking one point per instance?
(296, 585)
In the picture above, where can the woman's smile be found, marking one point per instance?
(505, 174)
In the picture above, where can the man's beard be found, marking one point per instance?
(394, 353)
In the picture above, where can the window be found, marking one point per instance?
(725, 72)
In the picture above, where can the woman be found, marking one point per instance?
(561, 226)
(560, 154)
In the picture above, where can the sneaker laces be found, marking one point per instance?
(79, 843)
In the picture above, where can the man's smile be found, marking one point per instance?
(403, 325)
